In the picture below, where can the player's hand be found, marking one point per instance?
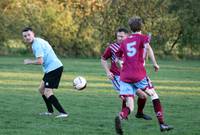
(119, 63)
(156, 67)
(110, 76)
(27, 61)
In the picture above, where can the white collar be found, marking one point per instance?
(139, 32)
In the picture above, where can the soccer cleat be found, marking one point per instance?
(62, 115)
(118, 127)
(144, 116)
(46, 113)
(165, 127)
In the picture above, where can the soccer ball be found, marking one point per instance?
(79, 83)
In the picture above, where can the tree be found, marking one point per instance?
(163, 26)
(189, 18)
(83, 28)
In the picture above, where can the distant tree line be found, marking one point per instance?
(84, 27)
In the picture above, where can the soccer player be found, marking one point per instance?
(133, 74)
(52, 67)
(113, 71)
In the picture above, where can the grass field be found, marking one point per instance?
(92, 111)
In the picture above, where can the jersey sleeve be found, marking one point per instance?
(107, 54)
(119, 53)
(147, 39)
(37, 49)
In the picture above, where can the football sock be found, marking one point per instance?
(56, 103)
(125, 112)
(158, 110)
(123, 104)
(48, 104)
(141, 103)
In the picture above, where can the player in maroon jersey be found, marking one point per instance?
(113, 71)
(133, 74)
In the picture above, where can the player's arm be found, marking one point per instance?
(118, 59)
(152, 56)
(119, 62)
(37, 61)
(106, 55)
(105, 65)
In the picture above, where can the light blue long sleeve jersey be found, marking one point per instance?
(42, 48)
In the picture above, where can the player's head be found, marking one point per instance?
(121, 34)
(28, 35)
(135, 24)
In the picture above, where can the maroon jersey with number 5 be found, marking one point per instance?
(132, 52)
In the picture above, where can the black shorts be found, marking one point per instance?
(52, 79)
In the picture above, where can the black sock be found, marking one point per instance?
(56, 103)
(48, 104)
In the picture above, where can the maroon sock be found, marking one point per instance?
(158, 110)
(125, 112)
(141, 103)
(123, 104)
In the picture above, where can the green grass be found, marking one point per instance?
(92, 111)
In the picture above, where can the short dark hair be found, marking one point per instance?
(121, 29)
(135, 23)
(27, 29)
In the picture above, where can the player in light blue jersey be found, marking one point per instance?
(52, 67)
(41, 48)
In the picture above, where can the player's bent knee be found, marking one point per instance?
(141, 94)
(48, 92)
(41, 90)
(152, 94)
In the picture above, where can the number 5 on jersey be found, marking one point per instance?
(131, 50)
